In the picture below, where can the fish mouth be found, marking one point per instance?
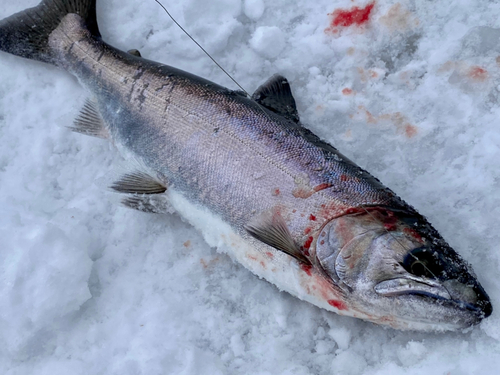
(450, 293)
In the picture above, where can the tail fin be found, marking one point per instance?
(26, 33)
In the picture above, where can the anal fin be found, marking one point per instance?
(90, 121)
(271, 229)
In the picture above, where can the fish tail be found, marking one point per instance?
(27, 33)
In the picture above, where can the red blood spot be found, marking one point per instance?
(308, 242)
(269, 254)
(304, 193)
(343, 178)
(337, 304)
(322, 242)
(477, 73)
(312, 217)
(263, 264)
(294, 211)
(390, 227)
(276, 192)
(349, 17)
(410, 130)
(307, 230)
(251, 257)
(413, 233)
(347, 91)
(353, 211)
(322, 186)
(306, 268)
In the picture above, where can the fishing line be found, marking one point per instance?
(249, 96)
(203, 49)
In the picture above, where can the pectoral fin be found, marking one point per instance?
(271, 229)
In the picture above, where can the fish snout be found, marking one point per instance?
(471, 296)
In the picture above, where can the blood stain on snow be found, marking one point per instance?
(337, 304)
(399, 18)
(307, 230)
(477, 73)
(348, 17)
(347, 91)
(269, 254)
(187, 243)
(207, 264)
(312, 217)
(410, 130)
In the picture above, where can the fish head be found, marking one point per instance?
(395, 269)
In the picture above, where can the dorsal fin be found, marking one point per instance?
(134, 52)
(138, 183)
(275, 94)
(89, 121)
(271, 229)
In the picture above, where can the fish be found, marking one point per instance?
(254, 180)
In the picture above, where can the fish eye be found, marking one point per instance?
(423, 262)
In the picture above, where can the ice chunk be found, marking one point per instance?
(254, 9)
(268, 41)
(481, 40)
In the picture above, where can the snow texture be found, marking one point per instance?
(90, 287)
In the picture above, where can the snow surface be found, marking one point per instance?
(89, 287)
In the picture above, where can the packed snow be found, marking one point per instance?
(409, 90)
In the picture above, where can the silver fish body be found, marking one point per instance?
(258, 184)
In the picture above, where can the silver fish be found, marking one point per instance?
(254, 181)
